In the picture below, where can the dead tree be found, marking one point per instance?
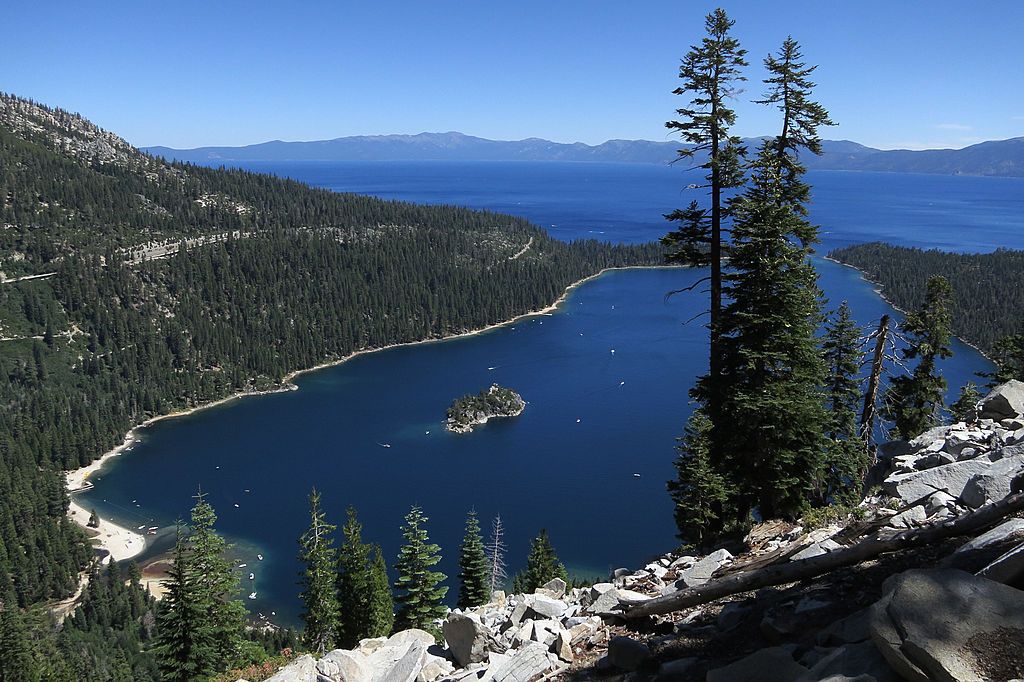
(867, 416)
(790, 572)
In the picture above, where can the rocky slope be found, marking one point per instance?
(949, 610)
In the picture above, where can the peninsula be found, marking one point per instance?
(470, 411)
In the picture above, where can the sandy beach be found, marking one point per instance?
(124, 544)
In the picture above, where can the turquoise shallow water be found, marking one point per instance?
(594, 417)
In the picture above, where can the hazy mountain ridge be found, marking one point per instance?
(997, 158)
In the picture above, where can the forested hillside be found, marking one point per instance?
(161, 286)
(985, 308)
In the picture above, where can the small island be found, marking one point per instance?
(470, 411)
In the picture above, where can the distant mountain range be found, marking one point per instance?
(1000, 158)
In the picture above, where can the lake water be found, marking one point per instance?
(594, 419)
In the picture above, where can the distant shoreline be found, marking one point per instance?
(124, 544)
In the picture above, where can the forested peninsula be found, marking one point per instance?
(983, 312)
(132, 287)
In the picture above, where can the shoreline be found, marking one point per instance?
(124, 544)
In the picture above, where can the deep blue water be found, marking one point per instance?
(594, 417)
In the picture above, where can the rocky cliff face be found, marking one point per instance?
(67, 133)
(950, 609)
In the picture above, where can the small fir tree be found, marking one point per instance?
(380, 617)
(542, 565)
(473, 573)
(420, 593)
(846, 455)
(319, 599)
(965, 409)
(184, 644)
(699, 492)
(1008, 356)
(353, 581)
(914, 402)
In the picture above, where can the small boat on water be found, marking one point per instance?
(242, 565)
(252, 576)
(636, 475)
(260, 557)
(384, 445)
(252, 595)
(142, 527)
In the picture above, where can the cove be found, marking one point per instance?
(594, 418)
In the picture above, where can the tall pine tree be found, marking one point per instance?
(200, 627)
(710, 73)
(215, 583)
(473, 574)
(420, 593)
(772, 369)
(319, 599)
(914, 403)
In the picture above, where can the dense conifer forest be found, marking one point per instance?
(168, 285)
(985, 308)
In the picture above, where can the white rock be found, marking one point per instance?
(341, 665)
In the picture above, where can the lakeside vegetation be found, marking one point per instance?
(984, 309)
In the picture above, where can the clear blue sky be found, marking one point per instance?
(185, 73)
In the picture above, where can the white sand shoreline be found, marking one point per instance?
(124, 544)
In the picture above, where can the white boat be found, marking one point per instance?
(252, 595)
(252, 576)
(260, 557)
(384, 445)
(636, 475)
(242, 565)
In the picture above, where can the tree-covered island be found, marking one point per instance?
(470, 411)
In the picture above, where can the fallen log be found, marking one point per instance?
(781, 574)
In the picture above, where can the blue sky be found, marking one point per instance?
(187, 73)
